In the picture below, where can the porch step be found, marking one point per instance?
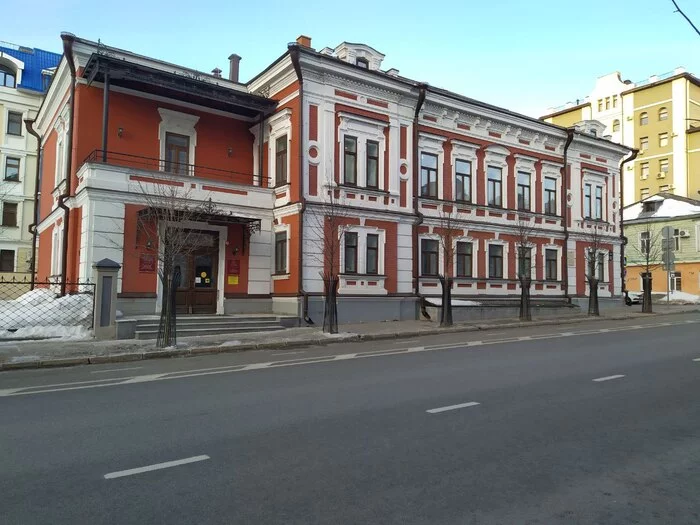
(201, 325)
(219, 330)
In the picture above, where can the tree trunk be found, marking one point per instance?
(446, 309)
(167, 328)
(593, 307)
(525, 310)
(646, 293)
(330, 310)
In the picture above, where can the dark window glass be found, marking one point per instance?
(524, 261)
(177, 153)
(11, 169)
(598, 202)
(428, 175)
(429, 257)
(523, 190)
(372, 253)
(7, 261)
(7, 77)
(495, 184)
(550, 261)
(281, 160)
(350, 252)
(495, 261)
(372, 164)
(587, 201)
(14, 123)
(350, 160)
(362, 62)
(464, 259)
(550, 196)
(281, 252)
(601, 267)
(9, 214)
(463, 180)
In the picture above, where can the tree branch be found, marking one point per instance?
(679, 10)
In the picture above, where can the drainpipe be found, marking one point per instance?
(565, 207)
(32, 227)
(422, 89)
(68, 40)
(630, 158)
(294, 55)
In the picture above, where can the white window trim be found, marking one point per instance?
(362, 130)
(559, 250)
(61, 132)
(433, 145)
(22, 156)
(595, 180)
(526, 164)
(475, 250)
(362, 232)
(467, 152)
(180, 124)
(279, 125)
(496, 157)
(552, 170)
(534, 257)
(606, 269)
(441, 258)
(506, 245)
(279, 228)
(56, 249)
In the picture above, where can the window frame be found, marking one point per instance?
(547, 196)
(374, 158)
(429, 172)
(375, 250)
(524, 253)
(551, 266)
(12, 205)
(644, 242)
(281, 243)
(466, 180)
(616, 125)
(350, 248)
(663, 113)
(9, 159)
(663, 165)
(281, 175)
(5, 73)
(183, 168)
(466, 258)
(526, 191)
(362, 62)
(643, 118)
(493, 184)
(429, 256)
(598, 203)
(663, 139)
(349, 139)
(587, 201)
(10, 116)
(3, 258)
(492, 258)
(643, 143)
(677, 239)
(600, 266)
(644, 170)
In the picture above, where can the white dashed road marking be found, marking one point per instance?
(115, 370)
(608, 378)
(452, 407)
(157, 466)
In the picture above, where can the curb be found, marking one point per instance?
(313, 341)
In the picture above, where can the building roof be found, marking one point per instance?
(35, 61)
(671, 207)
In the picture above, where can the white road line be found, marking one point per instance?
(157, 466)
(115, 370)
(696, 359)
(289, 353)
(452, 407)
(524, 338)
(607, 378)
(344, 356)
(143, 379)
(566, 334)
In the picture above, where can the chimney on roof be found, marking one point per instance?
(216, 72)
(234, 62)
(304, 41)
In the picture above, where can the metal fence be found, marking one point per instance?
(31, 308)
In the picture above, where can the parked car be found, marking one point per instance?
(633, 298)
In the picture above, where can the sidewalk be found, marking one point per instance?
(48, 353)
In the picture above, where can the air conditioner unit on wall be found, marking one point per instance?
(684, 233)
(660, 175)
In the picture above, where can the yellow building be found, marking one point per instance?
(660, 116)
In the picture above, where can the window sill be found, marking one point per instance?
(280, 276)
(11, 180)
(352, 187)
(362, 275)
(9, 226)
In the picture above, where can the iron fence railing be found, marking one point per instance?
(30, 308)
(175, 168)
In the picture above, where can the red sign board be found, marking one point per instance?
(147, 262)
(233, 266)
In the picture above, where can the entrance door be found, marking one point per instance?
(199, 269)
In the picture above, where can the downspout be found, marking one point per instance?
(565, 208)
(294, 55)
(32, 227)
(422, 89)
(68, 40)
(623, 244)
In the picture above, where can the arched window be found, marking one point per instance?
(7, 77)
(643, 118)
(616, 126)
(663, 114)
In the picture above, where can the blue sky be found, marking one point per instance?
(520, 54)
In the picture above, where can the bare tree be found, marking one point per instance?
(449, 229)
(679, 10)
(594, 259)
(329, 222)
(650, 250)
(523, 246)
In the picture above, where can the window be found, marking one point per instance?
(14, 123)
(362, 62)
(587, 201)
(281, 160)
(598, 203)
(372, 261)
(9, 214)
(7, 261)
(600, 104)
(594, 133)
(281, 252)
(616, 126)
(664, 188)
(429, 257)
(643, 118)
(494, 186)
(550, 264)
(663, 140)
(524, 261)
(12, 169)
(7, 78)
(177, 153)
(677, 239)
(350, 252)
(644, 166)
(550, 196)
(428, 175)
(614, 101)
(463, 180)
(372, 164)
(643, 193)
(663, 165)
(676, 282)
(644, 242)
(663, 114)
(644, 143)
(523, 190)
(601, 267)
(350, 161)
(495, 261)
(464, 259)
(607, 102)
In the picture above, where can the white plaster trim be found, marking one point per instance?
(181, 124)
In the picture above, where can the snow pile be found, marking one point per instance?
(681, 297)
(455, 302)
(40, 314)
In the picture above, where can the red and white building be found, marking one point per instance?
(394, 153)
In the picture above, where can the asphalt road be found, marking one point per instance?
(578, 424)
